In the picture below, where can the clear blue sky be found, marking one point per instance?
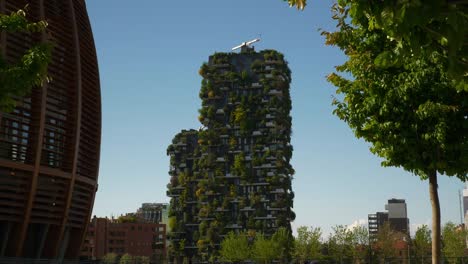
(149, 54)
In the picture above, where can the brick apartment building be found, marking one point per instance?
(135, 238)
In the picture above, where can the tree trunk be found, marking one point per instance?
(435, 216)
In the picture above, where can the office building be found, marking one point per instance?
(50, 143)
(234, 173)
(396, 216)
(153, 212)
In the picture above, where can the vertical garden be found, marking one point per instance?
(235, 173)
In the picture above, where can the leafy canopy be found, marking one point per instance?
(235, 248)
(415, 27)
(454, 241)
(422, 241)
(411, 113)
(308, 245)
(30, 70)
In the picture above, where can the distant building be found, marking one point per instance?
(375, 221)
(135, 238)
(465, 200)
(465, 203)
(396, 215)
(153, 212)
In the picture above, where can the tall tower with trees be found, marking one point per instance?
(234, 174)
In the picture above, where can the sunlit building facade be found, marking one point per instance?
(50, 143)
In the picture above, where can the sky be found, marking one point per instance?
(149, 53)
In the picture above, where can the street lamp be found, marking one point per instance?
(407, 239)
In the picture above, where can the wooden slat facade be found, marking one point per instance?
(50, 143)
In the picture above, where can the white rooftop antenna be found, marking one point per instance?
(246, 44)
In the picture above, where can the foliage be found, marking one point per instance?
(454, 242)
(307, 245)
(144, 260)
(128, 218)
(413, 27)
(410, 112)
(126, 259)
(359, 242)
(30, 70)
(264, 250)
(235, 248)
(109, 258)
(340, 243)
(282, 240)
(387, 239)
(300, 4)
(422, 242)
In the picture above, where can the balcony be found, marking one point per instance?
(275, 92)
(230, 176)
(234, 226)
(220, 159)
(207, 218)
(220, 112)
(270, 124)
(278, 191)
(170, 194)
(270, 62)
(220, 65)
(256, 133)
(268, 217)
(247, 209)
(256, 85)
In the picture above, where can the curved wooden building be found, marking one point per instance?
(50, 144)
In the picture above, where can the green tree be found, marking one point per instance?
(340, 243)
(264, 250)
(141, 260)
(411, 113)
(31, 70)
(235, 248)
(282, 240)
(109, 258)
(307, 244)
(387, 239)
(413, 26)
(422, 242)
(126, 259)
(454, 241)
(359, 243)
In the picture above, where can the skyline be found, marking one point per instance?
(165, 65)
